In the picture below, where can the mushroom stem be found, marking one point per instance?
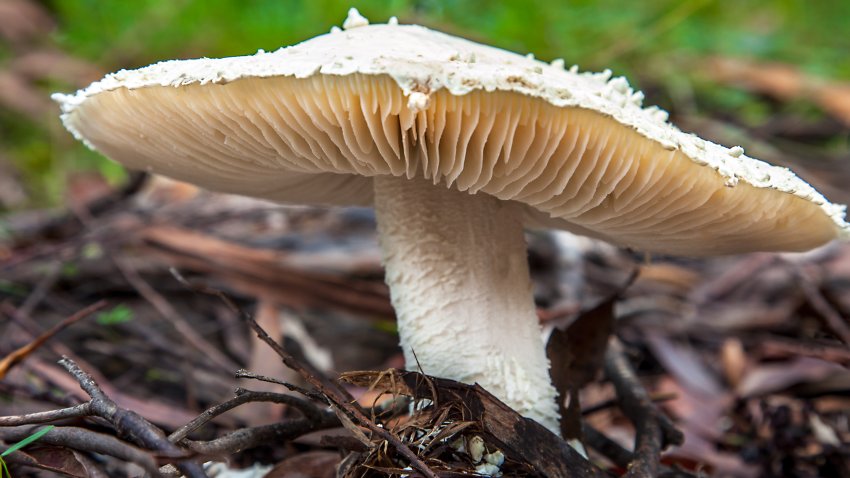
(456, 264)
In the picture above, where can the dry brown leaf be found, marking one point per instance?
(684, 364)
(60, 460)
(50, 63)
(769, 378)
(22, 97)
(668, 273)
(696, 413)
(265, 273)
(576, 355)
(12, 191)
(782, 81)
(734, 360)
(21, 20)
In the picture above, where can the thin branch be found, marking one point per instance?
(129, 423)
(606, 404)
(16, 356)
(242, 373)
(85, 440)
(653, 429)
(341, 399)
(606, 446)
(245, 438)
(831, 317)
(27, 390)
(310, 411)
(81, 410)
(42, 287)
(166, 310)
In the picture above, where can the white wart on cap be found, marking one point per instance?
(432, 129)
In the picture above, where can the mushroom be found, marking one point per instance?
(458, 146)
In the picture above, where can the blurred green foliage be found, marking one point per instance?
(116, 315)
(654, 42)
(593, 33)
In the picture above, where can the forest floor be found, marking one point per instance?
(150, 289)
(746, 355)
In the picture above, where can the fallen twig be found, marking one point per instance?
(606, 404)
(129, 423)
(293, 388)
(654, 431)
(85, 440)
(831, 317)
(16, 356)
(245, 438)
(81, 410)
(622, 457)
(265, 272)
(340, 399)
(133, 426)
(731, 279)
(167, 311)
(608, 447)
(310, 411)
(772, 346)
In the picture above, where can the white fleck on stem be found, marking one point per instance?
(457, 269)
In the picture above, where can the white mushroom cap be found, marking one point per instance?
(313, 123)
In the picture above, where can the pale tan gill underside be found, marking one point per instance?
(318, 140)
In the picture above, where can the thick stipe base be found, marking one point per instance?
(458, 275)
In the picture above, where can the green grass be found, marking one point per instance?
(4, 470)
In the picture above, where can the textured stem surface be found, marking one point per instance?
(458, 275)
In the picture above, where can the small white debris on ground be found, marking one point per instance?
(496, 458)
(488, 470)
(475, 448)
(216, 469)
